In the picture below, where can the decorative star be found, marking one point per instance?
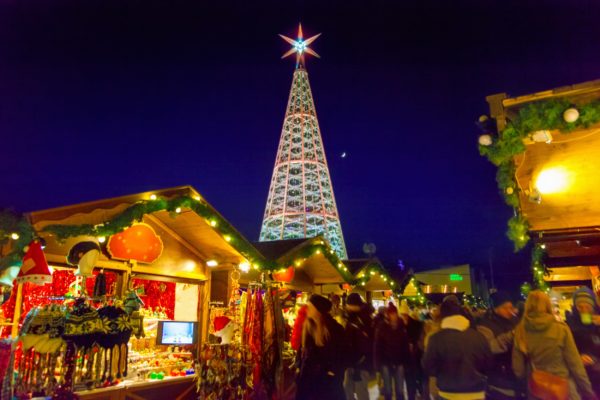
(300, 46)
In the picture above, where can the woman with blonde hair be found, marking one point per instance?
(544, 344)
(323, 348)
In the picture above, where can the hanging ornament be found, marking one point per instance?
(509, 190)
(84, 255)
(485, 140)
(285, 275)
(35, 267)
(571, 115)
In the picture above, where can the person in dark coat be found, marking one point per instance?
(498, 326)
(413, 372)
(584, 322)
(359, 336)
(323, 354)
(391, 353)
(458, 356)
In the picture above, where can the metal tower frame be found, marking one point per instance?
(301, 203)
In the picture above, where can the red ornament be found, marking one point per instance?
(138, 242)
(285, 276)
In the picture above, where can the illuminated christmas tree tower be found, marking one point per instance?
(301, 203)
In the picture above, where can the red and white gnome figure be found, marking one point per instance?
(224, 328)
(35, 267)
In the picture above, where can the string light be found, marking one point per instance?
(152, 197)
(227, 238)
(14, 236)
(101, 239)
(213, 223)
(245, 266)
(178, 210)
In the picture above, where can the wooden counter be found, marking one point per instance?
(180, 388)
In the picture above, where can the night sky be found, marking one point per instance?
(106, 98)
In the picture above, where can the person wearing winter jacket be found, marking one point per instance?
(323, 352)
(391, 353)
(584, 322)
(413, 371)
(543, 343)
(497, 325)
(458, 356)
(359, 337)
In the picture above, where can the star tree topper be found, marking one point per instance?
(300, 46)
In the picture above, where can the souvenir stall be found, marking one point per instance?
(120, 306)
(373, 282)
(546, 146)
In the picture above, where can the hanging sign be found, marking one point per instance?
(285, 275)
(138, 242)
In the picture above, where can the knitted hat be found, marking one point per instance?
(584, 295)
(82, 324)
(35, 267)
(354, 299)
(391, 309)
(116, 327)
(498, 298)
(404, 309)
(320, 303)
(450, 308)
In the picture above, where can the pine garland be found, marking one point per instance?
(535, 116)
(10, 223)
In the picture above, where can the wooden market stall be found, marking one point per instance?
(170, 246)
(547, 148)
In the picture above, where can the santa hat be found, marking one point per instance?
(35, 267)
(220, 323)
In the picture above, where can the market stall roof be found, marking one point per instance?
(312, 267)
(559, 194)
(371, 268)
(201, 238)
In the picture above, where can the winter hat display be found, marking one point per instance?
(136, 318)
(320, 303)
(84, 255)
(35, 267)
(224, 329)
(82, 324)
(113, 340)
(43, 328)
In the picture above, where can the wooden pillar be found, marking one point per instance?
(17, 315)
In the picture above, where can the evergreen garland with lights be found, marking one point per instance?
(17, 229)
(500, 150)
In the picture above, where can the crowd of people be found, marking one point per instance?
(449, 351)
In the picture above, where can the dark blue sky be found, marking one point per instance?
(105, 98)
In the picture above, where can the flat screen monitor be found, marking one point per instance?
(177, 333)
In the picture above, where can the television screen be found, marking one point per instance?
(176, 332)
